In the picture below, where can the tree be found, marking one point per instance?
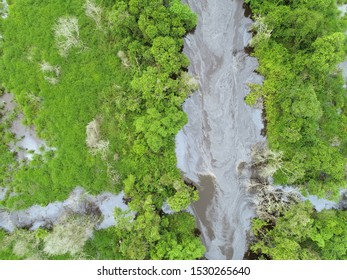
(184, 14)
(183, 197)
(166, 52)
(328, 52)
(178, 240)
(263, 33)
(301, 233)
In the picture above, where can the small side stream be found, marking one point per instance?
(79, 202)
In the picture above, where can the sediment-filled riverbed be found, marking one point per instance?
(213, 149)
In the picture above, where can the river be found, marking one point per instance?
(213, 149)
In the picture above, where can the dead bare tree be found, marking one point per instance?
(267, 161)
(66, 32)
(270, 201)
(70, 235)
(261, 29)
(123, 57)
(51, 73)
(94, 11)
(93, 139)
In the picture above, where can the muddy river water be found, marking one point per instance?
(213, 149)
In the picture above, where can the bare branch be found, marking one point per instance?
(93, 139)
(93, 11)
(66, 34)
(124, 59)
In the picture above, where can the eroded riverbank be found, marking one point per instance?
(214, 146)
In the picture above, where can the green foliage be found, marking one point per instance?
(103, 246)
(5, 250)
(119, 62)
(301, 233)
(165, 51)
(178, 241)
(170, 237)
(183, 197)
(252, 98)
(299, 45)
(328, 52)
(7, 158)
(304, 98)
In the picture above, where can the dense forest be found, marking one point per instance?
(103, 83)
(299, 45)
